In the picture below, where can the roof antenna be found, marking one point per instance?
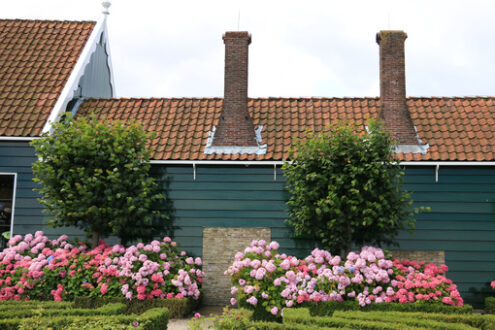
(106, 5)
(238, 19)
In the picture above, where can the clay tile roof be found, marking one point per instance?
(456, 129)
(36, 59)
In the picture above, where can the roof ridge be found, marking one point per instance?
(274, 98)
(148, 98)
(451, 97)
(45, 20)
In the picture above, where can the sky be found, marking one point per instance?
(299, 48)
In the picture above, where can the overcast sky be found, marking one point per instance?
(299, 48)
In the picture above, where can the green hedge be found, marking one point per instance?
(388, 320)
(241, 318)
(302, 316)
(110, 309)
(152, 319)
(419, 320)
(326, 308)
(475, 321)
(177, 307)
(490, 305)
(14, 304)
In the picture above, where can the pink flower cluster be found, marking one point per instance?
(262, 276)
(36, 267)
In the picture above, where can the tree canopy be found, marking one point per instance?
(95, 175)
(345, 186)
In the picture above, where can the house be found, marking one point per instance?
(223, 156)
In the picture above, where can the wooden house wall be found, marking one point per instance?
(461, 223)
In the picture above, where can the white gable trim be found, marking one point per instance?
(72, 83)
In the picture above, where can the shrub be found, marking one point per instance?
(490, 305)
(95, 175)
(109, 309)
(345, 188)
(301, 316)
(176, 307)
(153, 319)
(414, 320)
(242, 319)
(327, 308)
(471, 320)
(37, 268)
(267, 282)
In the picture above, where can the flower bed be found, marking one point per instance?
(268, 282)
(35, 267)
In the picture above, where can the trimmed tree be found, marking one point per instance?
(345, 188)
(95, 175)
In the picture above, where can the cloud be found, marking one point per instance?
(317, 48)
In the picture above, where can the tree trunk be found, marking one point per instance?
(95, 238)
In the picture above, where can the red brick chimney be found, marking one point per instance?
(394, 110)
(235, 127)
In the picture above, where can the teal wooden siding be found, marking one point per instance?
(17, 157)
(229, 196)
(462, 221)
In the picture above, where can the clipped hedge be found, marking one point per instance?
(241, 318)
(327, 308)
(403, 319)
(152, 319)
(490, 305)
(110, 309)
(177, 307)
(388, 320)
(6, 305)
(302, 316)
(463, 321)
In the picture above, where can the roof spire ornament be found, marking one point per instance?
(106, 5)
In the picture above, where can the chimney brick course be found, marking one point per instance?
(235, 127)
(394, 110)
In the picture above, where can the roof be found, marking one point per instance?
(36, 59)
(456, 129)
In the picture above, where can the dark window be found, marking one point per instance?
(7, 183)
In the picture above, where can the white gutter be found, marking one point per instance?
(433, 163)
(72, 83)
(195, 163)
(18, 138)
(216, 162)
(280, 162)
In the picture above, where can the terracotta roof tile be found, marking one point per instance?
(36, 59)
(456, 129)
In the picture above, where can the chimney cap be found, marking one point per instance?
(237, 35)
(383, 34)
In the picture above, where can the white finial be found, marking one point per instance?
(106, 5)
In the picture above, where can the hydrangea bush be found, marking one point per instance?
(35, 267)
(263, 278)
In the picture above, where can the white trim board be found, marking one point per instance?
(268, 163)
(18, 138)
